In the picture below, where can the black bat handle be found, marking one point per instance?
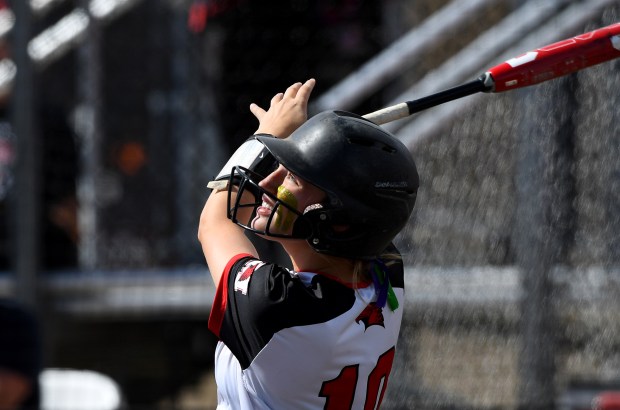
(484, 83)
(478, 85)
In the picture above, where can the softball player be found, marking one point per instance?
(334, 191)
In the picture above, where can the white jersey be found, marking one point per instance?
(301, 340)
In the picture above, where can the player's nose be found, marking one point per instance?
(272, 181)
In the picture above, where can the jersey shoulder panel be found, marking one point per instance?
(264, 298)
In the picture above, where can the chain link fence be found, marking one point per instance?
(513, 249)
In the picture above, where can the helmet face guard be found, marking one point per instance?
(247, 181)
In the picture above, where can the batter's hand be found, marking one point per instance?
(287, 111)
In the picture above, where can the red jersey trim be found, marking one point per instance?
(216, 317)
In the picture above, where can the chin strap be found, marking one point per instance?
(383, 288)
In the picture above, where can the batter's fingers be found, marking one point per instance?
(291, 92)
(305, 90)
(277, 98)
(257, 111)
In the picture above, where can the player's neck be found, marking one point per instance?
(306, 259)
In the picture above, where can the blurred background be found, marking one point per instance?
(116, 113)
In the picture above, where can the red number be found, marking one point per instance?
(378, 378)
(340, 391)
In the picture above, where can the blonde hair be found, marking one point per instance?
(362, 267)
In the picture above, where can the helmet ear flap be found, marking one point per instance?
(302, 228)
(334, 234)
(325, 235)
(310, 223)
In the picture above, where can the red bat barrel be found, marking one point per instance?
(557, 59)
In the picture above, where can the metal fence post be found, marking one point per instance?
(26, 201)
(88, 129)
(543, 225)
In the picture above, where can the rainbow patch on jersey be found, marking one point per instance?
(242, 280)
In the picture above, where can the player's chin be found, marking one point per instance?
(259, 224)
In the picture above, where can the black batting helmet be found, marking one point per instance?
(369, 177)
